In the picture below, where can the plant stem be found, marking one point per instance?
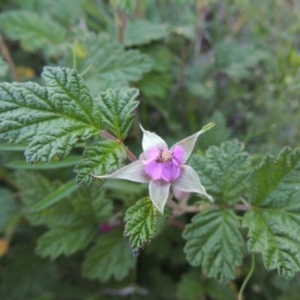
(248, 276)
(7, 56)
(108, 136)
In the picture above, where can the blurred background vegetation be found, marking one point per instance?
(234, 62)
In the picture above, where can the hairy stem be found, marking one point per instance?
(108, 136)
(7, 56)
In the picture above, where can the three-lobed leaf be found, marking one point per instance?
(274, 221)
(140, 224)
(224, 171)
(109, 258)
(215, 243)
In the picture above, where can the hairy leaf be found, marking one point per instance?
(65, 240)
(109, 258)
(140, 32)
(102, 158)
(214, 242)
(140, 224)
(31, 29)
(117, 106)
(53, 118)
(274, 221)
(106, 64)
(224, 171)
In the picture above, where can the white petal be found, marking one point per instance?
(150, 140)
(132, 172)
(188, 143)
(189, 181)
(159, 193)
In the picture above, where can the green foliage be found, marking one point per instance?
(190, 287)
(109, 258)
(26, 276)
(193, 287)
(86, 205)
(224, 171)
(233, 64)
(125, 5)
(117, 107)
(274, 220)
(63, 191)
(236, 60)
(106, 64)
(52, 119)
(140, 224)
(140, 32)
(8, 208)
(60, 10)
(102, 158)
(54, 164)
(214, 242)
(3, 67)
(65, 240)
(32, 30)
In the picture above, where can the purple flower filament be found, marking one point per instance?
(164, 164)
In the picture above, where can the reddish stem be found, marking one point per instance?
(108, 136)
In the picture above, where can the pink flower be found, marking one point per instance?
(164, 168)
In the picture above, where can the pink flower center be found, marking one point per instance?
(164, 164)
(165, 156)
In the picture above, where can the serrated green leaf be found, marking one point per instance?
(140, 224)
(214, 242)
(65, 240)
(63, 191)
(52, 119)
(117, 106)
(23, 165)
(31, 29)
(105, 64)
(274, 221)
(190, 287)
(111, 257)
(140, 32)
(7, 208)
(99, 159)
(224, 171)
